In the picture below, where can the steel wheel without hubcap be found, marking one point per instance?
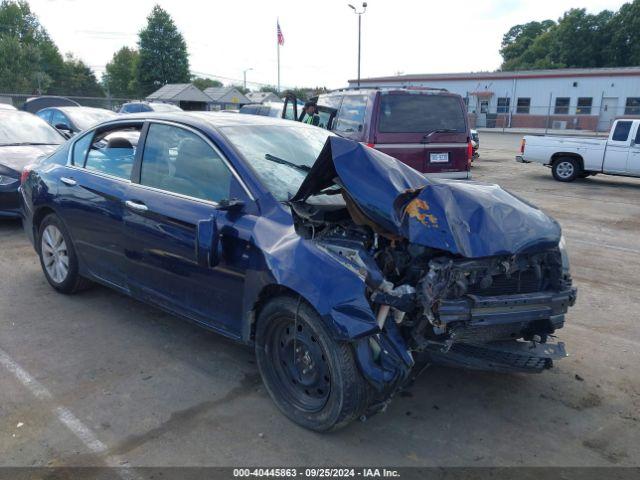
(565, 170)
(55, 256)
(300, 365)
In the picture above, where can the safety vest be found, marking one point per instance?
(309, 119)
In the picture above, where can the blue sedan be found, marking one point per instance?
(344, 268)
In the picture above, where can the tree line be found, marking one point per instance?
(577, 40)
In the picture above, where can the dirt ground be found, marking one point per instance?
(99, 379)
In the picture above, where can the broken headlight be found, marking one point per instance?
(562, 246)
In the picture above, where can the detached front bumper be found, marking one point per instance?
(484, 331)
(480, 319)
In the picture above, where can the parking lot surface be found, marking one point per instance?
(99, 379)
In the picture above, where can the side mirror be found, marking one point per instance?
(207, 241)
(231, 205)
(64, 130)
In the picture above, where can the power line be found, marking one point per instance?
(234, 80)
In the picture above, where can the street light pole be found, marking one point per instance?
(359, 13)
(244, 76)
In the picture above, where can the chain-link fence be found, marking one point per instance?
(110, 103)
(560, 116)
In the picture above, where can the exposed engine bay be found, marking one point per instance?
(495, 313)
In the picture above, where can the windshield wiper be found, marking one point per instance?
(427, 135)
(279, 160)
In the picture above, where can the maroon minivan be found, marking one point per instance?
(425, 128)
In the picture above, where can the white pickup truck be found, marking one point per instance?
(579, 157)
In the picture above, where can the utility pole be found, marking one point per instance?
(244, 76)
(359, 13)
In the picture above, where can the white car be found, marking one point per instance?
(580, 157)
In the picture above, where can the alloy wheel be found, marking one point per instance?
(565, 169)
(55, 255)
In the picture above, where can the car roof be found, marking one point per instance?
(76, 109)
(213, 119)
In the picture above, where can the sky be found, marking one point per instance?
(224, 38)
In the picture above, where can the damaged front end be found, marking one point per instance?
(456, 273)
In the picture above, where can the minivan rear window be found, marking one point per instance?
(418, 113)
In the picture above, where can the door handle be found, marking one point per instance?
(68, 181)
(138, 207)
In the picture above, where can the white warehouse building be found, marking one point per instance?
(584, 98)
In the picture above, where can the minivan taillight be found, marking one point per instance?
(469, 153)
(523, 143)
(24, 176)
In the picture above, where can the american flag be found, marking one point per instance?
(280, 36)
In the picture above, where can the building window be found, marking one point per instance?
(633, 106)
(523, 105)
(584, 106)
(503, 104)
(562, 106)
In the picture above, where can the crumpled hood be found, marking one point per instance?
(18, 157)
(462, 217)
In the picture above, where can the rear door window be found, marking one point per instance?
(621, 133)
(111, 153)
(351, 114)
(179, 161)
(420, 113)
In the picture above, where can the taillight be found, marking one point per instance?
(371, 145)
(523, 143)
(469, 153)
(24, 176)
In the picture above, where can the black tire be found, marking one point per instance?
(71, 282)
(283, 368)
(566, 169)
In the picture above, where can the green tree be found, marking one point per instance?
(163, 53)
(517, 42)
(577, 40)
(121, 74)
(580, 38)
(269, 88)
(624, 34)
(204, 83)
(78, 80)
(241, 89)
(29, 60)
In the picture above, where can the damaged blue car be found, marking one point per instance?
(345, 269)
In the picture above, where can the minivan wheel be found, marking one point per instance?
(313, 379)
(566, 169)
(58, 257)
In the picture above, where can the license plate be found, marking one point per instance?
(439, 157)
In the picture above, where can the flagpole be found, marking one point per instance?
(278, 43)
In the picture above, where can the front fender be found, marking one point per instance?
(289, 261)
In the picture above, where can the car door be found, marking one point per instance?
(617, 151)
(350, 122)
(181, 180)
(634, 154)
(91, 195)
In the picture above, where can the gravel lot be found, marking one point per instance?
(141, 387)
